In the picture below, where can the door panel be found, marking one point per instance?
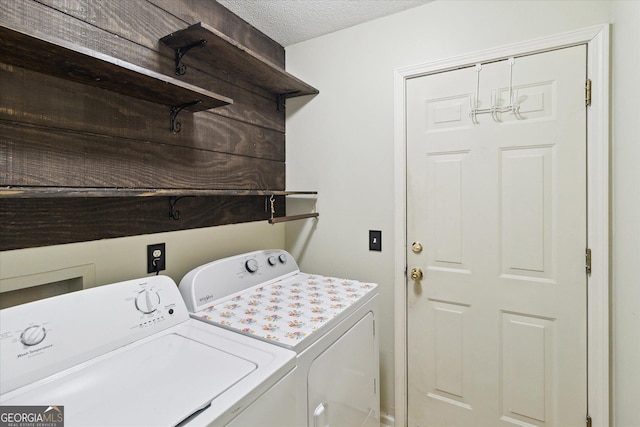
(528, 351)
(497, 325)
(445, 215)
(526, 210)
(342, 380)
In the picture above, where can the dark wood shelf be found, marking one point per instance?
(224, 53)
(12, 192)
(76, 63)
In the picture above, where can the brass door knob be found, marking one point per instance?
(416, 274)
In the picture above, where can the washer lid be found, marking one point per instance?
(159, 382)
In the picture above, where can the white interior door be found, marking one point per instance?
(497, 324)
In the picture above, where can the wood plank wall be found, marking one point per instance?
(54, 132)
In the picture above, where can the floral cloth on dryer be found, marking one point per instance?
(288, 311)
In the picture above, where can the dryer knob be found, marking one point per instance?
(147, 301)
(251, 265)
(272, 260)
(33, 335)
(282, 258)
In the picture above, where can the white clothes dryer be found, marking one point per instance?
(329, 322)
(128, 354)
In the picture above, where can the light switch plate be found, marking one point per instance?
(375, 240)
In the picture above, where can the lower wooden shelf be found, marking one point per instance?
(16, 192)
(43, 216)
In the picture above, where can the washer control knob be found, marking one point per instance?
(33, 335)
(251, 265)
(272, 260)
(147, 301)
(282, 258)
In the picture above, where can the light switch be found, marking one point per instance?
(375, 240)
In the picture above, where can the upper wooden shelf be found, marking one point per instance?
(223, 53)
(62, 59)
(15, 192)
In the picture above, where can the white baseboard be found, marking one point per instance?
(387, 420)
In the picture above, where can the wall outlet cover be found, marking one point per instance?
(156, 258)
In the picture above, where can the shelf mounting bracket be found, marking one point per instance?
(282, 97)
(175, 110)
(181, 69)
(173, 212)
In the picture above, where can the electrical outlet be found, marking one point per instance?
(375, 240)
(156, 258)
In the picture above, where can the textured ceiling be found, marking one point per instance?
(292, 21)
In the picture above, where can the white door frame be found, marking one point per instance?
(597, 40)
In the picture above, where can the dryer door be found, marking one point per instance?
(342, 380)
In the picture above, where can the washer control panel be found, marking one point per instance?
(40, 338)
(253, 263)
(202, 286)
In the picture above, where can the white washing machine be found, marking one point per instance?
(329, 322)
(128, 354)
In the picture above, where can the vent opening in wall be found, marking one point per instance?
(27, 286)
(34, 293)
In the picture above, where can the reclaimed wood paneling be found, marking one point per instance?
(34, 18)
(26, 223)
(48, 157)
(47, 101)
(59, 133)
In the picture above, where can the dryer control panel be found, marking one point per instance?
(41, 338)
(208, 283)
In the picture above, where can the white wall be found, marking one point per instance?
(113, 260)
(626, 213)
(341, 141)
